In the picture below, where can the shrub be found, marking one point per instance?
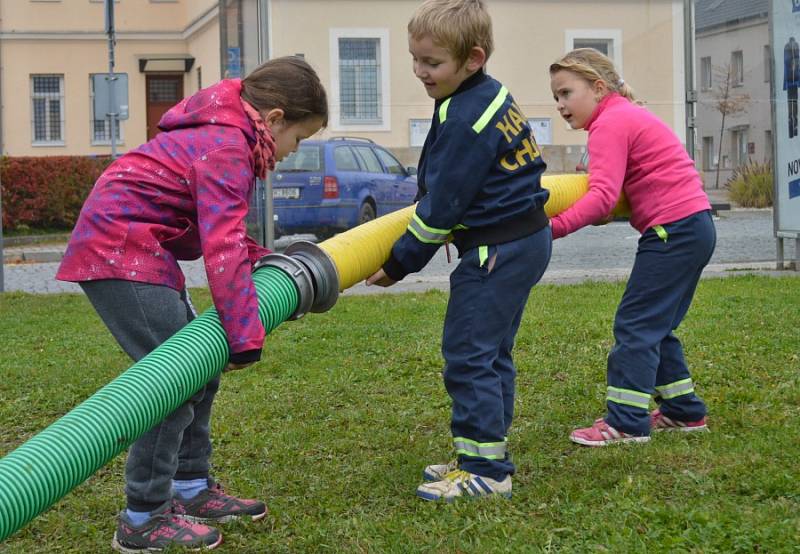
(46, 192)
(751, 185)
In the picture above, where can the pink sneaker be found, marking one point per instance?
(602, 434)
(660, 422)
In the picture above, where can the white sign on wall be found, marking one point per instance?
(417, 131)
(542, 131)
(785, 36)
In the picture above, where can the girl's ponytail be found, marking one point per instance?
(592, 65)
(288, 83)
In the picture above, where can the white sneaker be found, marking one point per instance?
(462, 483)
(437, 472)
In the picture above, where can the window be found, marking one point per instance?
(603, 45)
(360, 79)
(392, 165)
(359, 90)
(368, 159)
(307, 158)
(767, 64)
(737, 68)
(709, 156)
(706, 78)
(607, 41)
(47, 109)
(101, 128)
(344, 159)
(739, 146)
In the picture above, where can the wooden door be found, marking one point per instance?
(163, 92)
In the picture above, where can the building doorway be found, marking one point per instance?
(163, 92)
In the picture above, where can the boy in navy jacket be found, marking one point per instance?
(479, 179)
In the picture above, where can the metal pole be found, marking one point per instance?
(2, 276)
(112, 85)
(268, 224)
(689, 67)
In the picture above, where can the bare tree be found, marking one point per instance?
(727, 103)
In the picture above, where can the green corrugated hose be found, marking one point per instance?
(69, 451)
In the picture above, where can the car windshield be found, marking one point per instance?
(307, 158)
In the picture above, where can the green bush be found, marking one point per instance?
(751, 185)
(46, 192)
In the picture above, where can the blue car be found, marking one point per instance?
(331, 185)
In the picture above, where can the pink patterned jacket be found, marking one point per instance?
(182, 195)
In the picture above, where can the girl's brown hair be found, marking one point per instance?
(593, 66)
(290, 84)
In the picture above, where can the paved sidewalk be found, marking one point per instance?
(53, 252)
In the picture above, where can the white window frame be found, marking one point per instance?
(34, 95)
(612, 35)
(382, 35)
(92, 140)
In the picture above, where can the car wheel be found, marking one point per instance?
(366, 213)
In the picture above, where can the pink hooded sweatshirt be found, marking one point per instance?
(182, 195)
(631, 150)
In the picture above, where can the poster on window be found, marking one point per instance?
(785, 31)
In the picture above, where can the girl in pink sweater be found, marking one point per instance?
(183, 195)
(632, 151)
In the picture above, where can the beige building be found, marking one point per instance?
(49, 50)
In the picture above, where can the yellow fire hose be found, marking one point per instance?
(360, 252)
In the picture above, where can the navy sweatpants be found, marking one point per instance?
(647, 357)
(484, 312)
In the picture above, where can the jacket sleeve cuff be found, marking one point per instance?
(393, 269)
(245, 357)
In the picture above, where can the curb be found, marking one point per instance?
(33, 257)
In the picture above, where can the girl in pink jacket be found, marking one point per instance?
(183, 195)
(632, 151)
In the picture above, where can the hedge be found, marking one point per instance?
(46, 192)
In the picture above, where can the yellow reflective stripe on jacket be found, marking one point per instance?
(661, 232)
(678, 388)
(628, 397)
(487, 116)
(488, 450)
(426, 234)
(483, 255)
(443, 110)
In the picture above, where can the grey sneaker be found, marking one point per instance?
(164, 529)
(437, 472)
(460, 483)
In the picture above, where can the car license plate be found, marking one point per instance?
(288, 193)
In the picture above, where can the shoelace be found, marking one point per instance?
(458, 475)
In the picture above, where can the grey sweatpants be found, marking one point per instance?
(141, 316)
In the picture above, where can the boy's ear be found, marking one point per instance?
(476, 59)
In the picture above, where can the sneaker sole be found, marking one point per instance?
(608, 442)
(116, 545)
(433, 498)
(682, 429)
(223, 519)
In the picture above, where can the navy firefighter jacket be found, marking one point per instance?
(479, 177)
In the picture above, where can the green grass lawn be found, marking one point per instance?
(334, 426)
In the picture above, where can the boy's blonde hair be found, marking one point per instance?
(456, 25)
(593, 66)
